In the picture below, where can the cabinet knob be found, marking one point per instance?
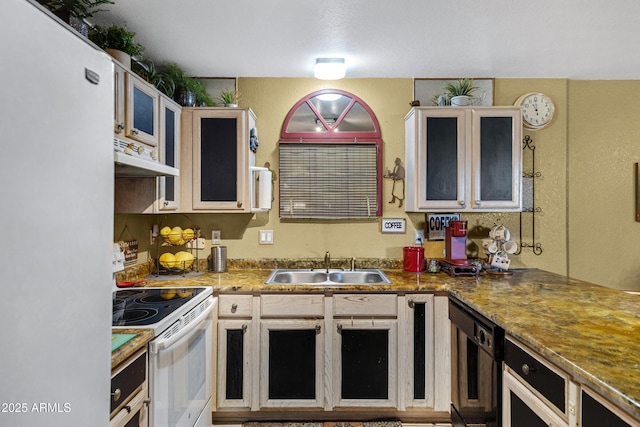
(116, 395)
(526, 369)
(461, 203)
(318, 328)
(339, 327)
(119, 127)
(239, 204)
(411, 303)
(135, 131)
(244, 328)
(234, 307)
(478, 202)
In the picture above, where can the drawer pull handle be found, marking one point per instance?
(526, 369)
(411, 303)
(234, 307)
(318, 328)
(244, 328)
(116, 395)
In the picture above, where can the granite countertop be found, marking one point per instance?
(122, 353)
(589, 331)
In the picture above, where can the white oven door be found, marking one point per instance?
(180, 374)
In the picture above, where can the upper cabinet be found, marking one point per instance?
(168, 197)
(217, 163)
(136, 113)
(463, 159)
(142, 103)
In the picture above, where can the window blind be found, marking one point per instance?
(328, 181)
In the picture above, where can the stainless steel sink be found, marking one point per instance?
(332, 277)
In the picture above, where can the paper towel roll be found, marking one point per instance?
(264, 189)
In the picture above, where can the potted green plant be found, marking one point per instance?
(189, 91)
(203, 99)
(74, 12)
(117, 41)
(148, 71)
(181, 82)
(461, 92)
(229, 98)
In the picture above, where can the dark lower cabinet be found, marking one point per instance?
(365, 364)
(292, 364)
(595, 414)
(292, 361)
(365, 356)
(522, 415)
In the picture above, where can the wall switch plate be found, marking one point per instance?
(266, 237)
(215, 237)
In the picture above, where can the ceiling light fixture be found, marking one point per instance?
(330, 68)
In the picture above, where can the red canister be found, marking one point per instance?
(413, 259)
(458, 228)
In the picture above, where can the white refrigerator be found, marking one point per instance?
(56, 223)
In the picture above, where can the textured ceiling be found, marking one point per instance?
(576, 39)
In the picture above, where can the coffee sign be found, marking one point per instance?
(436, 224)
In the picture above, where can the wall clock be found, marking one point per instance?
(537, 109)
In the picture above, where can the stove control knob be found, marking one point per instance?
(483, 338)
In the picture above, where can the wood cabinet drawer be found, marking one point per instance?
(549, 383)
(378, 305)
(235, 306)
(292, 305)
(127, 380)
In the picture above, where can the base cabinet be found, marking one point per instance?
(595, 411)
(236, 361)
(129, 393)
(335, 352)
(534, 392)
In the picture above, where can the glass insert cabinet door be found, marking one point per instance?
(292, 357)
(234, 363)
(142, 103)
(442, 160)
(168, 197)
(220, 146)
(365, 363)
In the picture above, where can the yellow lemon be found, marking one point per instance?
(188, 234)
(167, 260)
(164, 233)
(168, 293)
(176, 235)
(184, 293)
(184, 259)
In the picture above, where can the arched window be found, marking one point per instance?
(330, 158)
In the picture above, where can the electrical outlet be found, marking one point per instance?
(215, 237)
(418, 237)
(266, 237)
(196, 243)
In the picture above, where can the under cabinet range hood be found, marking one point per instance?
(138, 161)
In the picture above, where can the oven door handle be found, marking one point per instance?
(162, 343)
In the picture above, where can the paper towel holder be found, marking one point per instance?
(260, 188)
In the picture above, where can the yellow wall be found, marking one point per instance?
(604, 144)
(585, 160)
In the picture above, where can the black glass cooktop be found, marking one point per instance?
(147, 306)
